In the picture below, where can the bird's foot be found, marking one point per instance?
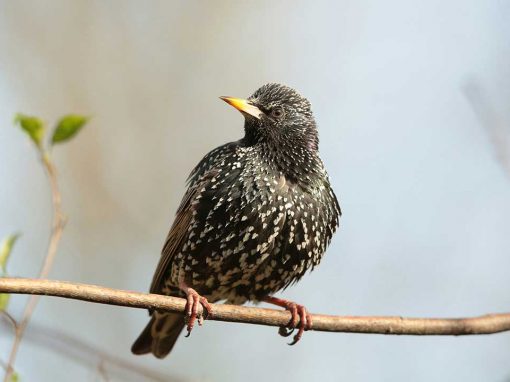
(193, 300)
(300, 318)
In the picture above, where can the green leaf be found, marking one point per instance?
(4, 300)
(5, 250)
(33, 126)
(68, 127)
(14, 377)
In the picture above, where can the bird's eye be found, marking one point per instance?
(277, 112)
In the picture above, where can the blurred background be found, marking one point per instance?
(411, 99)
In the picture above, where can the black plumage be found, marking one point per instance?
(258, 213)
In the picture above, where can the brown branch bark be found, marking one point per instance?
(487, 324)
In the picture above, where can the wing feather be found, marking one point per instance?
(178, 232)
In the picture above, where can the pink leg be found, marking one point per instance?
(193, 299)
(301, 319)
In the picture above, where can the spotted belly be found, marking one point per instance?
(264, 260)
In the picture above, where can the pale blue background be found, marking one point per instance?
(412, 101)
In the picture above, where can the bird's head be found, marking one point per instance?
(278, 116)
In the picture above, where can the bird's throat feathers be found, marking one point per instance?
(295, 156)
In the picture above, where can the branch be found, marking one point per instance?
(497, 130)
(9, 318)
(56, 234)
(487, 324)
(79, 350)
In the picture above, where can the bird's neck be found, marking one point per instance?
(295, 157)
(297, 162)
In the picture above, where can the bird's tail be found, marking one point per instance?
(160, 335)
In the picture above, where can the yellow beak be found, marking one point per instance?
(243, 106)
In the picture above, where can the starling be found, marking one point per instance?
(258, 213)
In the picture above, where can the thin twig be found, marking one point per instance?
(56, 234)
(497, 131)
(10, 318)
(487, 324)
(102, 371)
(73, 348)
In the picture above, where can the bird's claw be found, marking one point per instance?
(193, 300)
(300, 319)
(285, 331)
